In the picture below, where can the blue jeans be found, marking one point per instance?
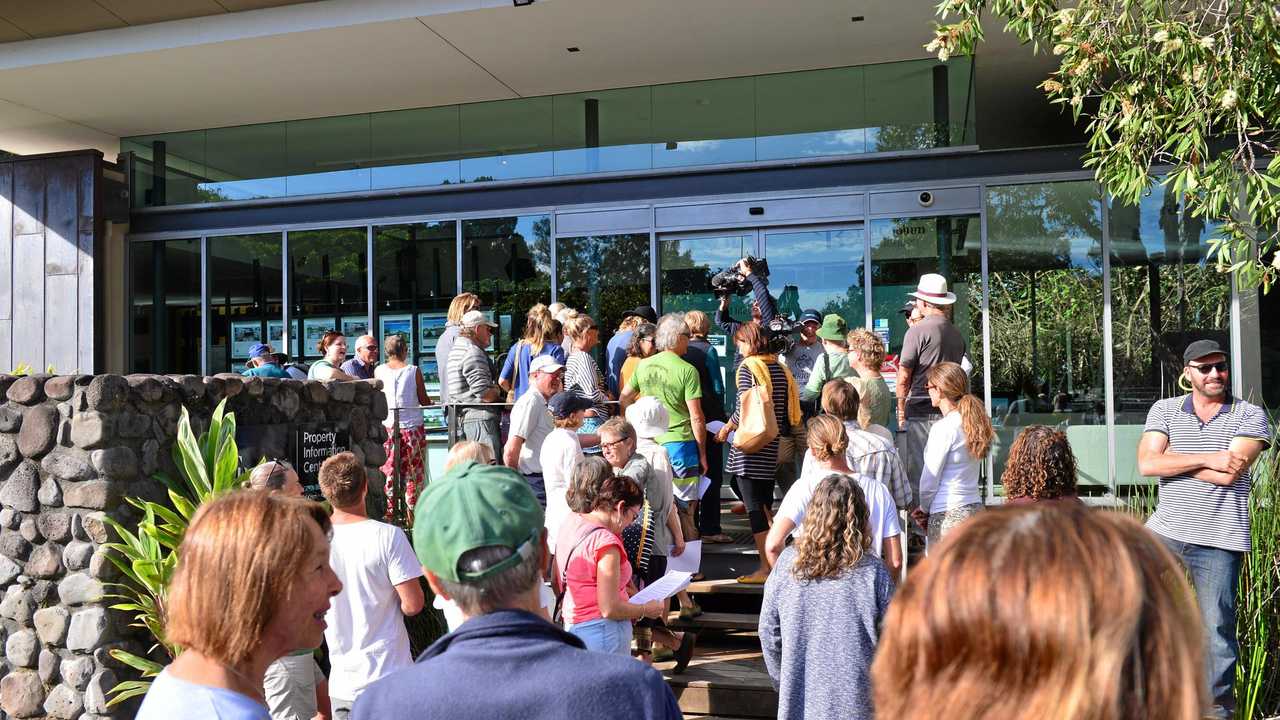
(1215, 573)
(606, 636)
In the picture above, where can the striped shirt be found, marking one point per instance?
(1194, 511)
(762, 464)
(583, 378)
(470, 377)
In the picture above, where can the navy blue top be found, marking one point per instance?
(510, 664)
(615, 353)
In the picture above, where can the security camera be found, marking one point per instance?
(925, 198)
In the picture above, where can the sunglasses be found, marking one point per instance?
(1222, 367)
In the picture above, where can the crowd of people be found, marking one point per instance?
(533, 546)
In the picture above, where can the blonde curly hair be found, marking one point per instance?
(836, 530)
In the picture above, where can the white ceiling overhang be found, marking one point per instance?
(336, 57)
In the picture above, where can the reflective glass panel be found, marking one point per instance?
(820, 270)
(245, 307)
(328, 155)
(507, 262)
(165, 306)
(810, 114)
(327, 286)
(1045, 259)
(415, 147)
(603, 131)
(1164, 293)
(415, 274)
(507, 139)
(603, 276)
(247, 162)
(704, 123)
(901, 99)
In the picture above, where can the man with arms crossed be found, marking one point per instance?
(1202, 445)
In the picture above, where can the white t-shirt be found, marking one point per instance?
(561, 451)
(882, 514)
(401, 388)
(531, 420)
(366, 633)
(949, 478)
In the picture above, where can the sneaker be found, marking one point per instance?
(717, 539)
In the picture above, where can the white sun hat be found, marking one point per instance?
(649, 417)
(933, 289)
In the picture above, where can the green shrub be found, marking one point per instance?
(1258, 623)
(208, 466)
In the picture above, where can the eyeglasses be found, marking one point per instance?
(930, 387)
(612, 445)
(1223, 367)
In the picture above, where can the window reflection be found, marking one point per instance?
(244, 298)
(1045, 294)
(165, 306)
(327, 286)
(603, 276)
(818, 269)
(507, 262)
(1164, 293)
(415, 278)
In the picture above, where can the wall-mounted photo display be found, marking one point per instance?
(430, 328)
(430, 375)
(244, 335)
(401, 325)
(313, 330)
(354, 327)
(275, 337)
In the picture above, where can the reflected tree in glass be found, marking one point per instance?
(507, 262)
(603, 276)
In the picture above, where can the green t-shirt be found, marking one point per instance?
(674, 382)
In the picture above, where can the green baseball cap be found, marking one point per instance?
(475, 506)
(833, 328)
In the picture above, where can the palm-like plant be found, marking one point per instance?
(208, 466)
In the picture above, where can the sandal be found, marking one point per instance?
(684, 653)
(717, 539)
(690, 611)
(752, 579)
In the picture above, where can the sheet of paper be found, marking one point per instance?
(663, 588)
(689, 560)
(703, 483)
(714, 426)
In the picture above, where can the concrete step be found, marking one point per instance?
(716, 621)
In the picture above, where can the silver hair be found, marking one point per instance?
(670, 327)
(270, 475)
(498, 591)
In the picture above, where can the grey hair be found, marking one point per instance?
(270, 475)
(620, 427)
(670, 327)
(498, 591)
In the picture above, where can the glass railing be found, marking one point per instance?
(833, 112)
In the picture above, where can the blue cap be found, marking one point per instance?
(260, 350)
(565, 403)
(811, 316)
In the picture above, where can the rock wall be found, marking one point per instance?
(71, 449)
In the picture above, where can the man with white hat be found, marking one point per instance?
(531, 423)
(930, 341)
(471, 380)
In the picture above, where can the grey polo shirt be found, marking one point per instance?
(1194, 511)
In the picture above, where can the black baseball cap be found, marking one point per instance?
(1200, 348)
(643, 311)
(909, 308)
(564, 403)
(811, 316)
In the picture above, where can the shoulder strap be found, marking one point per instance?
(564, 566)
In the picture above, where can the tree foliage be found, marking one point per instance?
(1193, 85)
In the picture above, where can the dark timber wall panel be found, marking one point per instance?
(48, 226)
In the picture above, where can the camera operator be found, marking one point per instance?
(763, 309)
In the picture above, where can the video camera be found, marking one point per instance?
(731, 282)
(782, 334)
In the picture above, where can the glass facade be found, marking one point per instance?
(911, 105)
(1053, 283)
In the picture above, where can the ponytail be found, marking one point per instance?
(976, 425)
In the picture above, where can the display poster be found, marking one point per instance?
(313, 330)
(244, 335)
(401, 325)
(354, 327)
(311, 448)
(430, 375)
(433, 418)
(881, 328)
(430, 328)
(275, 337)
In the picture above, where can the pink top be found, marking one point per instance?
(580, 600)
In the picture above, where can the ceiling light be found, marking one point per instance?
(857, 18)
(575, 48)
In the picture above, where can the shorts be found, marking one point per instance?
(685, 459)
(538, 486)
(606, 636)
(290, 687)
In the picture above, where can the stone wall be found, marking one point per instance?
(71, 449)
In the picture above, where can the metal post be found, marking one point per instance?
(398, 513)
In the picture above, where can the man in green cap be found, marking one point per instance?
(833, 364)
(479, 534)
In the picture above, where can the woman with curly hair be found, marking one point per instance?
(1041, 466)
(823, 607)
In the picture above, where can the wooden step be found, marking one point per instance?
(716, 621)
(727, 586)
